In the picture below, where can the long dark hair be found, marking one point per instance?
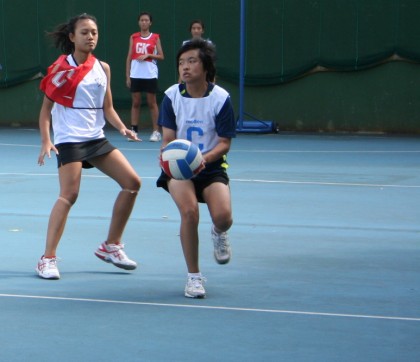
(206, 53)
(60, 35)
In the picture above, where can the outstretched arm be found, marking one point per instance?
(44, 129)
(110, 114)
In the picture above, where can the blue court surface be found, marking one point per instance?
(325, 266)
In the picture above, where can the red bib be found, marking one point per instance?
(62, 79)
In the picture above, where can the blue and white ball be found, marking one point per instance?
(181, 159)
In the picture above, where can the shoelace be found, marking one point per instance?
(197, 281)
(49, 262)
(118, 252)
(221, 240)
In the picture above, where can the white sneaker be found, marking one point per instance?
(222, 250)
(114, 253)
(47, 268)
(194, 287)
(155, 137)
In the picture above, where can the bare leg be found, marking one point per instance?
(69, 176)
(116, 166)
(120, 214)
(183, 194)
(154, 110)
(217, 197)
(135, 108)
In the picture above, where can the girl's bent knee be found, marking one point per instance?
(223, 223)
(190, 215)
(136, 184)
(71, 197)
(133, 184)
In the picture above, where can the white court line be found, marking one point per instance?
(251, 150)
(324, 151)
(19, 145)
(235, 309)
(38, 146)
(319, 183)
(56, 174)
(325, 183)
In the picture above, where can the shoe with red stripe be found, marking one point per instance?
(114, 253)
(47, 268)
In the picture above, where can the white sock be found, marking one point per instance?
(194, 275)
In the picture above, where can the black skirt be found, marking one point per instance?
(144, 85)
(82, 151)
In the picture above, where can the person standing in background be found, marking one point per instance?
(197, 31)
(144, 51)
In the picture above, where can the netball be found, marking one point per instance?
(181, 159)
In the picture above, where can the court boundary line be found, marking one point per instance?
(234, 309)
(233, 150)
(325, 183)
(285, 182)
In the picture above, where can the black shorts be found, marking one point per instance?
(143, 85)
(82, 151)
(214, 172)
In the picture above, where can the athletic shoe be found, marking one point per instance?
(47, 268)
(222, 250)
(155, 137)
(114, 253)
(194, 287)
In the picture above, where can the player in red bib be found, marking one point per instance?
(77, 102)
(144, 51)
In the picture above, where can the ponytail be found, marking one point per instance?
(60, 35)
